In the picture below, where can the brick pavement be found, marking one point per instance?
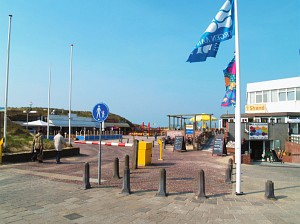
(50, 193)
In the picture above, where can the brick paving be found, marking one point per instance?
(52, 193)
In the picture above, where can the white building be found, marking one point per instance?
(281, 95)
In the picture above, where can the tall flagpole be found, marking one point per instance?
(70, 93)
(238, 104)
(49, 86)
(6, 85)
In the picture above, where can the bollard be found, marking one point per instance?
(126, 161)
(201, 192)
(135, 150)
(126, 182)
(228, 175)
(230, 163)
(86, 176)
(116, 169)
(162, 183)
(269, 191)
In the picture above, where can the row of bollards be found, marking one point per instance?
(269, 185)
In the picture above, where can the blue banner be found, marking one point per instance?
(220, 29)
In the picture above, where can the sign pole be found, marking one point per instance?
(100, 113)
(99, 155)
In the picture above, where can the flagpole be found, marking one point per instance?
(70, 93)
(238, 104)
(49, 85)
(6, 85)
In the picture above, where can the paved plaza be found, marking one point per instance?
(52, 193)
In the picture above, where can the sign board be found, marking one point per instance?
(258, 131)
(189, 129)
(218, 146)
(277, 144)
(255, 108)
(179, 143)
(100, 112)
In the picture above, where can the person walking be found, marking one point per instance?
(59, 141)
(37, 147)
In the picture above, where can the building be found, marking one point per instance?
(272, 116)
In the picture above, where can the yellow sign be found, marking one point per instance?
(255, 108)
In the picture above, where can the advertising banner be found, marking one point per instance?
(258, 131)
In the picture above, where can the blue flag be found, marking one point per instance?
(220, 29)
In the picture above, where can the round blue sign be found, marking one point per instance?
(100, 112)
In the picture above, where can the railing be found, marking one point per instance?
(294, 139)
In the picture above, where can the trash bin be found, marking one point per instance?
(144, 153)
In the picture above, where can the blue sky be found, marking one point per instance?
(131, 54)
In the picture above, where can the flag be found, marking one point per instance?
(230, 85)
(220, 29)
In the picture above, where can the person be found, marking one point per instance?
(244, 146)
(37, 147)
(59, 141)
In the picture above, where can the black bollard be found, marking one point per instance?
(126, 161)
(126, 182)
(116, 169)
(135, 149)
(228, 175)
(162, 183)
(201, 192)
(230, 163)
(269, 191)
(86, 176)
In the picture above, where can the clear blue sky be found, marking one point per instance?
(131, 54)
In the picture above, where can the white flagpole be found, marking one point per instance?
(6, 85)
(49, 102)
(70, 93)
(238, 104)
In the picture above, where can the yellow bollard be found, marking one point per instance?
(159, 141)
(1, 144)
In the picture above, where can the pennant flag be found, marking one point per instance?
(220, 29)
(230, 85)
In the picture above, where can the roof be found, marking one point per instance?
(277, 114)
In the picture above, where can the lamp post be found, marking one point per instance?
(27, 112)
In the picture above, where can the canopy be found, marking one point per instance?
(37, 123)
(203, 117)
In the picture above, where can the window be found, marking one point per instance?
(282, 95)
(274, 96)
(258, 97)
(291, 94)
(251, 97)
(298, 93)
(266, 96)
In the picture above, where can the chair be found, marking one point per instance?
(275, 157)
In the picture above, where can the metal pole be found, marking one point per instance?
(238, 104)
(99, 155)
(6, 85)
(48, 102)
(70, 93)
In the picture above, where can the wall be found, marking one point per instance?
(294, 149)
(277, 131)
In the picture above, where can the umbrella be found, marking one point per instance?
(38, 123)
(203, 118)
